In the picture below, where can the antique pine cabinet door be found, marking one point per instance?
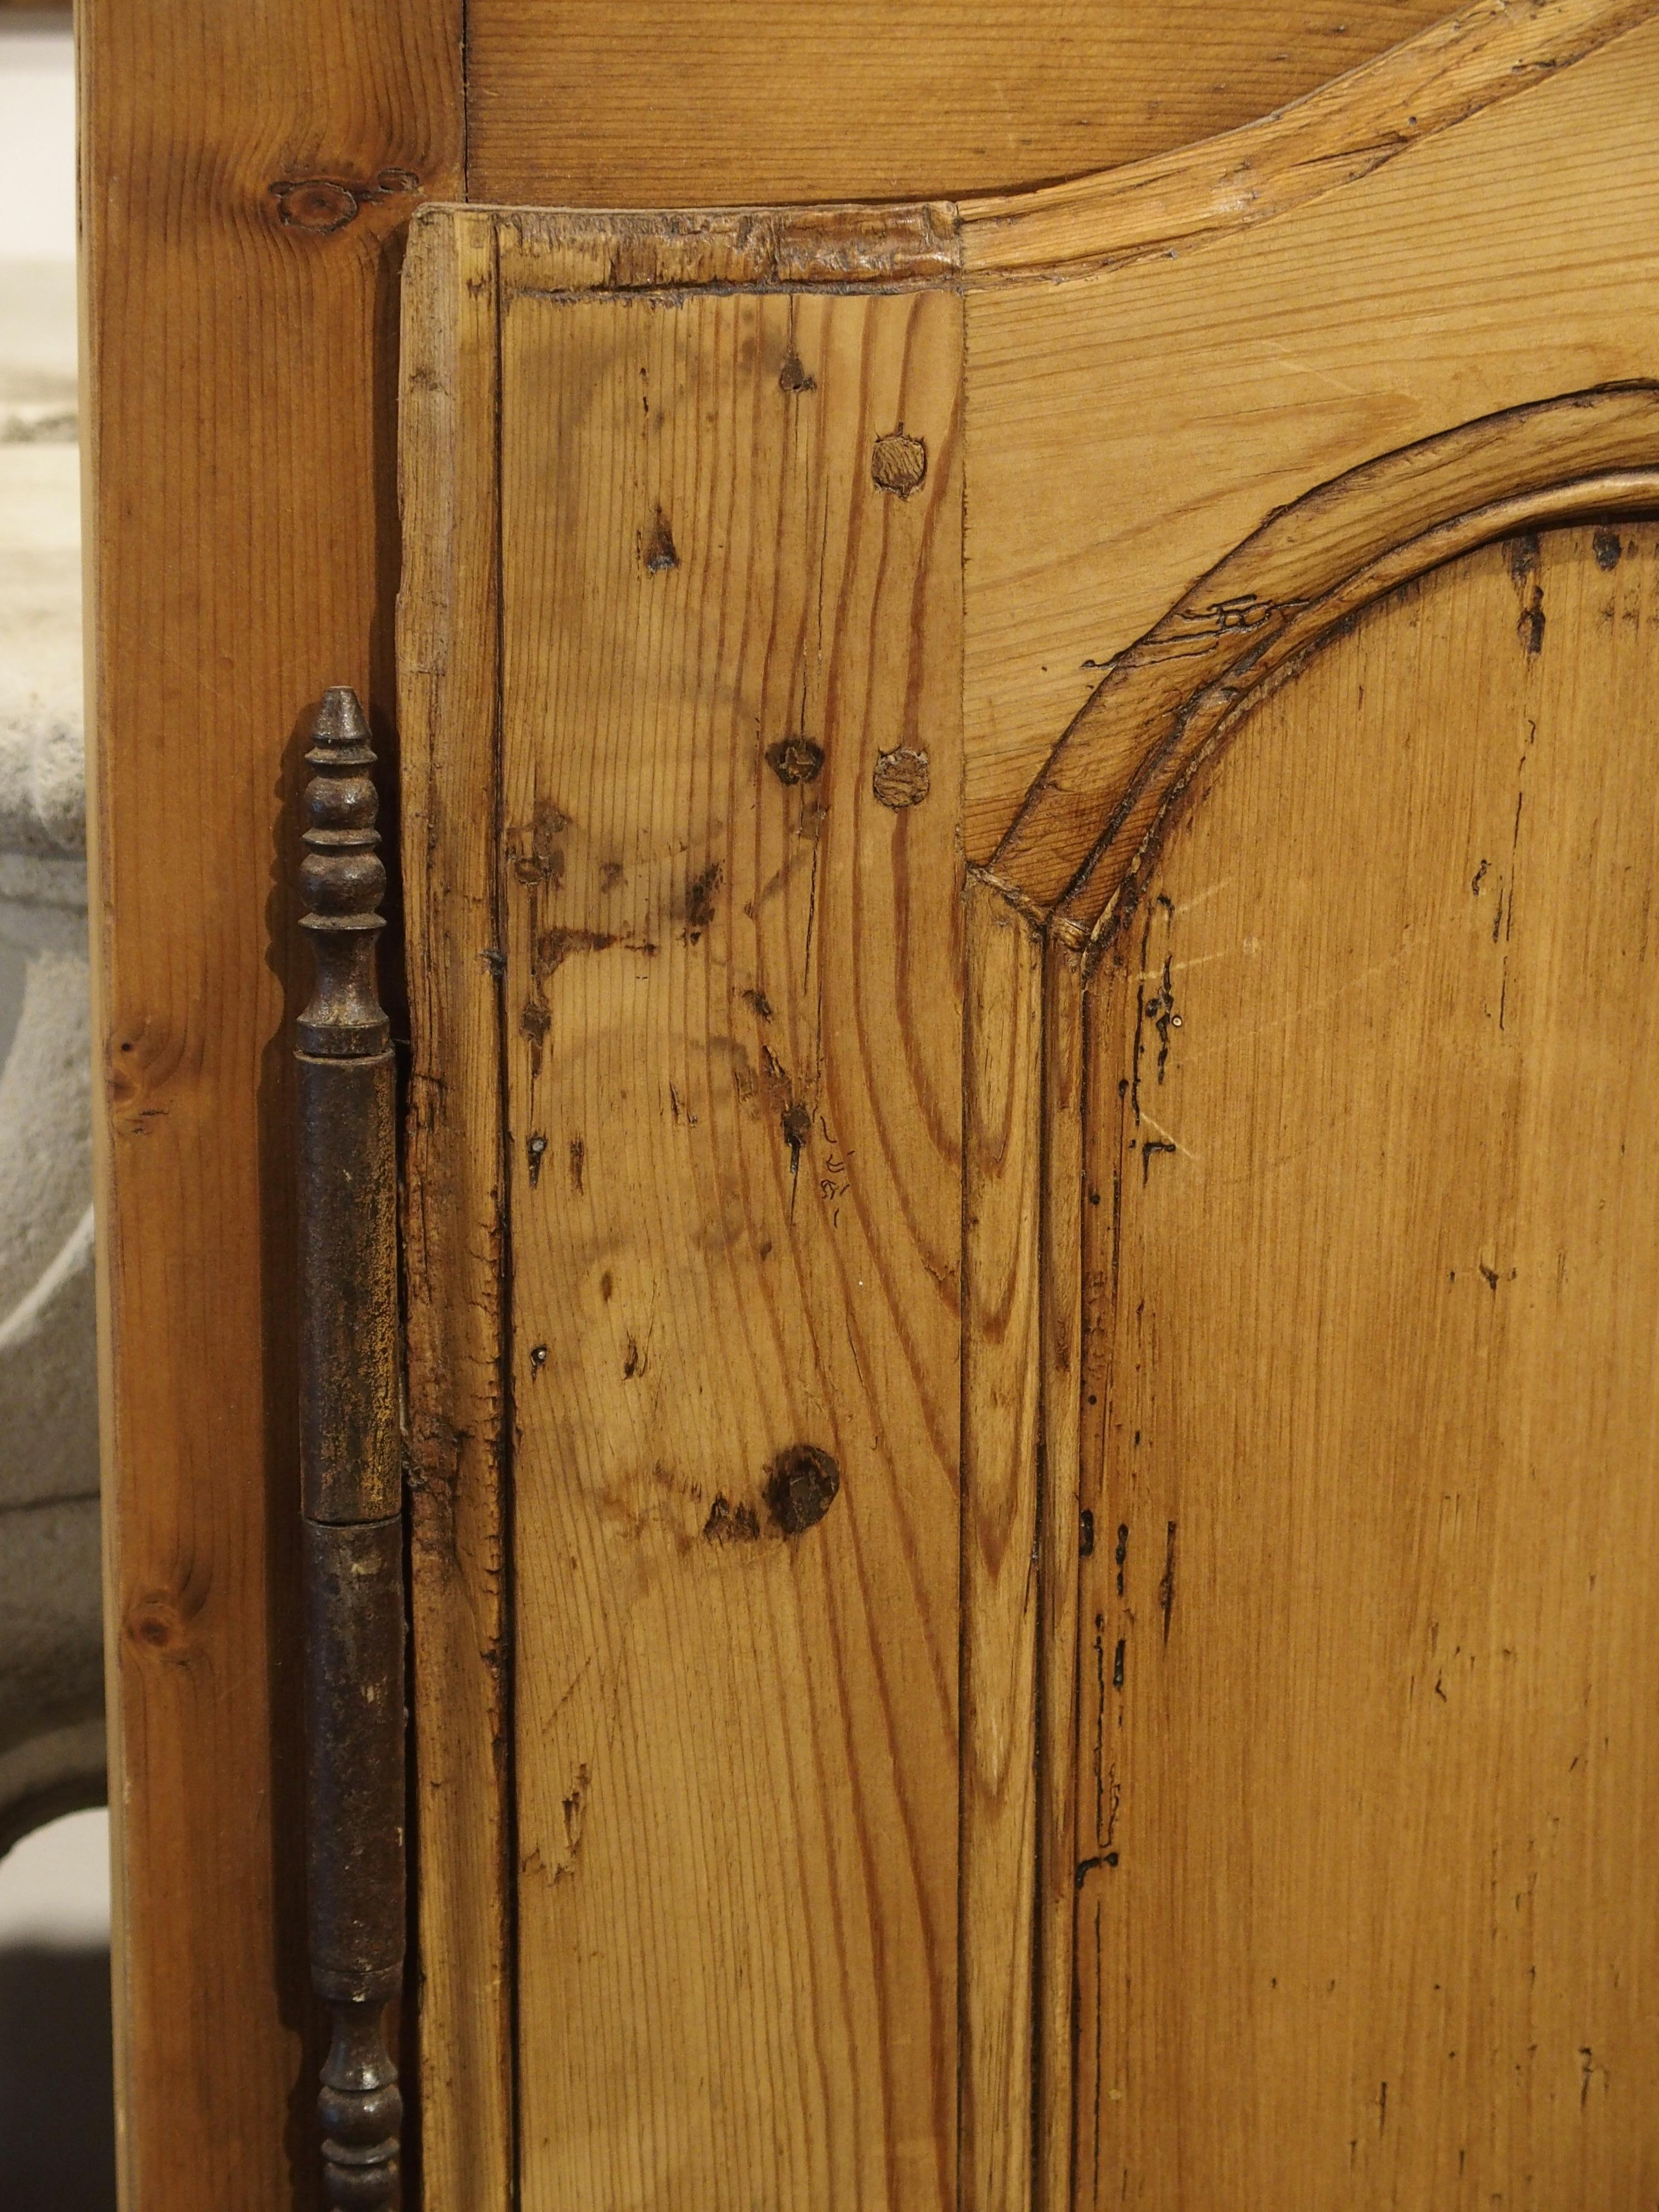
(1030, 831)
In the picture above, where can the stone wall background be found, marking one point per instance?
(56, 2125)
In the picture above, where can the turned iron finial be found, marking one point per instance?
(349, 1467)
(342, 883)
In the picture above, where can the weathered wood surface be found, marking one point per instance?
(242, 556)
(589, 102)
(1368, 1759)
(1500, 262)
(455, 1231)
(731, 562)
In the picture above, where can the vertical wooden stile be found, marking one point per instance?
(454, 1240)
(1061, 1535)
(1001, 1416)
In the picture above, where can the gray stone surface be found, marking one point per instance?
(52, 1743)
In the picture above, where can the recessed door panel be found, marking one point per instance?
(1368, 1759)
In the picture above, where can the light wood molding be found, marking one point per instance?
(1345, 128)
(1093, 815)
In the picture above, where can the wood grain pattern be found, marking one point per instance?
(1003, 1384)
(454, 1244)
(1367, 1743)
(732, 1063)
(1501, 262)
(588, 102)
(1473, 59)
(242, 554)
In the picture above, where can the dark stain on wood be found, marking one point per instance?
(658, 551)
(795, 759)
(1607, 548)
(1166, 1588)
(700, 901)
(731, 1524)
(578, 1164)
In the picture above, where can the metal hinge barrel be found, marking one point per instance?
(351, 1459)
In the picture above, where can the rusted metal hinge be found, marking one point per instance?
(350, 1467)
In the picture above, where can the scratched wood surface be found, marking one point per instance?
(1496, 262)
(615, 103)
(1368, 1755)
(240, 365)
(731, 562)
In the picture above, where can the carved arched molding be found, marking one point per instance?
(1479, 55)
(1092, 822)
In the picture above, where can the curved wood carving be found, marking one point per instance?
(1355, 123)
(1095, 812)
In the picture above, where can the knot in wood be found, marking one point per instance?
(795, 760)
(801, 1486)
(316, 204)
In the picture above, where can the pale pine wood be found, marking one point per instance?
(733, 1060)
(1344, 130)
(1002, 1395)
(241, 556)
(1060, 1535)
(1367, 1732)
(454, 1228)
(1500, 263)
(619, 103)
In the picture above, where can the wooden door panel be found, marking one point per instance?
(1030, 1374)
(1366, 1750)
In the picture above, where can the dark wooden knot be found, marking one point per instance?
(327, 204)
(795, 760)
(801, 1486)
